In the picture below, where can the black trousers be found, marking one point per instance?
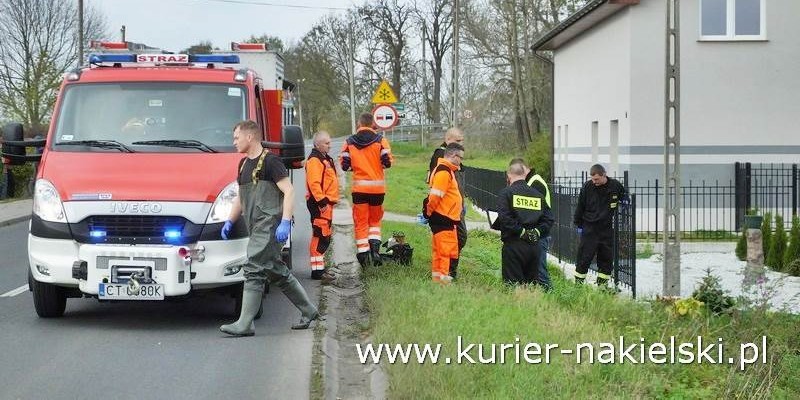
(596, 240)
(461, 233)
(520, 261)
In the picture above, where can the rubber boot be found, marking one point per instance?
(363, 259)
(244, 326)
(297, 295)
(454, 268)
(375, 252)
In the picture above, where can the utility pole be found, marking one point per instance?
(352, 79)
(80, 33)
(454, 80)
(672, 159)
(424, 115)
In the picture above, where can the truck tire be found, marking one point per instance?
(49, 300)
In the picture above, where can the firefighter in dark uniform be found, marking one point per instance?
(453, 135)
(594, 216)
(536, 181)
(523, 217)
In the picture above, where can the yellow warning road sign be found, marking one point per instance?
(384, 94)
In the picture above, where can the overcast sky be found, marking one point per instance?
(177, 24)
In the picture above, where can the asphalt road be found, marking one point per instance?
(151, 350)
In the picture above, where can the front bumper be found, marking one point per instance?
(51, 261)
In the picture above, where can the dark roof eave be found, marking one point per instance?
(590, 15)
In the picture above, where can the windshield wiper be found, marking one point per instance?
(193, 144)
(105, 144)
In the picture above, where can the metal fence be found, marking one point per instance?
(713, 210)
(482, 187)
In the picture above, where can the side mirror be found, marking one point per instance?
(15, 154)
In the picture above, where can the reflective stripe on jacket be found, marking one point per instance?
(367, 153)
(444, 199)
(321, 182)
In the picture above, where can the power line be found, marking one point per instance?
(261, 3)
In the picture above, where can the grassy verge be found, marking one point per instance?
(407, 308)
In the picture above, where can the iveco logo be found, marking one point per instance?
(135, 208)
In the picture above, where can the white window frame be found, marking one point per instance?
(730, 28)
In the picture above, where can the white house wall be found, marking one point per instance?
(740, 101)
(592, 83)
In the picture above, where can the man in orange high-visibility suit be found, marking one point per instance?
(322, 192)
(367, 154)
(443, 211)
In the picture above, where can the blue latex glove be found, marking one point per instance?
(282, 233)
(579, 230)
(422, 220)
(226, 229)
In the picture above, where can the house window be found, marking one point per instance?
(732, 20)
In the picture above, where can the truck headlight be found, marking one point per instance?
(47, 202)
(221, 210)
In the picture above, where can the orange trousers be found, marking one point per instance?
(320, 237)
(445, 254)
(367, 216)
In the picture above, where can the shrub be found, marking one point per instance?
(711, 294)
(777, 246)
(741, 246)
(793, 268)
(766, 233)
(793, 251)
(22, 176)
(538, 155)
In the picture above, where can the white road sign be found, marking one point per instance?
(385, 116)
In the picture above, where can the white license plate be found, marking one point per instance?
(119, 291)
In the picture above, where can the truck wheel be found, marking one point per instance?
(49, 300)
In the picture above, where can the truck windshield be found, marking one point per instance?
(150, 112)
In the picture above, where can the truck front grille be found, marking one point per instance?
(129, 226)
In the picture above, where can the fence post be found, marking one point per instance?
(738, 204)
(657, 196)
(615, 249)
(633, 246)
(794, 190)
(748, 202)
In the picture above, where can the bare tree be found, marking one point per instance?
(38, 43)
(437, 23)
(499, 34)
(391, 19)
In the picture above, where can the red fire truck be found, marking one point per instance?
(138, 175)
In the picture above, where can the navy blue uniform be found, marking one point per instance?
(521, 210)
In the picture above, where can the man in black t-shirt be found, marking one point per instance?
(265, 200)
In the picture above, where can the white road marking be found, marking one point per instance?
(19, 290)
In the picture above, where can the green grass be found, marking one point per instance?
(406, 187)
(406, 307)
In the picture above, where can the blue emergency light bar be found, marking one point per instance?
(111, 58)
(164, 58)
(214, 58)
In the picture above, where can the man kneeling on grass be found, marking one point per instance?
(523, 217)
